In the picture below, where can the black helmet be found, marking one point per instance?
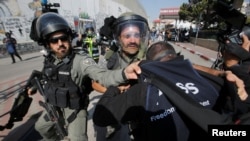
(49, 23)
(89, 30)
(132, 19)
(89, 26)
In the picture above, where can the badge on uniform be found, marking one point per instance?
(89, 61)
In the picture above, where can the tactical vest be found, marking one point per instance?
(60, 90)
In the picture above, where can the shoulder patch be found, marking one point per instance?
(89, 61)
(84, 59)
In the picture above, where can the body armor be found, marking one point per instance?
(60, 90)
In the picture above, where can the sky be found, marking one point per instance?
(153, 7)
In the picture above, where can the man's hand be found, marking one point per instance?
(132, 70)
(246, 43)
(239, 84)
(123, 88)
(32, 90)
(230, 59)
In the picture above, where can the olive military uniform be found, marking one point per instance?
(118, 61)
(82, 66)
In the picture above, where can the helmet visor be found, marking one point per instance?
(143, 32)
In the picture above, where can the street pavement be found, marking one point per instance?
(17, 133)
(203, 52)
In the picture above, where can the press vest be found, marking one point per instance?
(161, 114)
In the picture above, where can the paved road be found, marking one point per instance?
(13, 74)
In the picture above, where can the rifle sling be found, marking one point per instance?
(72, 116)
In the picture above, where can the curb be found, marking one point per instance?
(197, 53)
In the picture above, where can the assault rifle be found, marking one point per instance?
(52, 113)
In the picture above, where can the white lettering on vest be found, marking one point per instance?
(63, 73)
(188, 87)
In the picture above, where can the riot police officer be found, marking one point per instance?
(131, 33)
(65, 78)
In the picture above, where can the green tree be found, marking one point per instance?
(203, 11)
(196, 11)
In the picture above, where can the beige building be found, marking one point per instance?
(18, 14)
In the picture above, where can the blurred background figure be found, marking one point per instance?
(10, 43)
(88, 40)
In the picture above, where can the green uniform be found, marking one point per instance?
(140, 55)
(119, 61)
(83, 65)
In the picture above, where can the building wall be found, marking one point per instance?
(18, 14)
(134, 5)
